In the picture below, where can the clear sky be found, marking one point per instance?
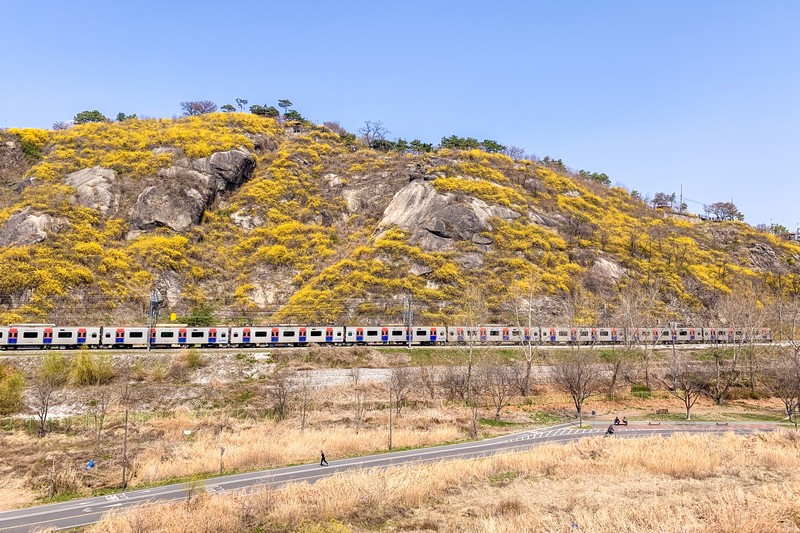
(657, 94)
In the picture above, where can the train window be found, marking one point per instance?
(604, 334)
(260, 334)
(494, 333)
(422, 332)
(289, 333)
(1, 334)
(223, 334)
(30, 335)
(563, 333)
(683, 333)
(94, 335)
(64, 335)
(372, 333)
(584, 333)
(197, 334)
(167, 334)
(316, 333)
(665, 332)
(136, 334)
(397, 332)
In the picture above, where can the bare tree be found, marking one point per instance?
(686, 380)
(578, 374)
(50, 377)
(722, 373)
(637, 308)
(616, 362)
(198, 107)
(402, 381)
(280, 389)
(359, 394)
(304, 391)
(373, 131)
(241, 102)
(97, 406)
(426, 381)
(454, 383)
(60, 125)
(498, 384)
(782, 377)
(527, 315)
(515, 152)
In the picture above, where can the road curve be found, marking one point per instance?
(86, 511)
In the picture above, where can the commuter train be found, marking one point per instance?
(174, 336)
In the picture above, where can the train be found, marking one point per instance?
(45, 336)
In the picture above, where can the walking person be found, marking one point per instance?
(322, 460)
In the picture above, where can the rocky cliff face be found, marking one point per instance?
(436, 221)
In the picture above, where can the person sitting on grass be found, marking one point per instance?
(624, 421)
(616, 421)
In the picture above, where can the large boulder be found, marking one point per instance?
(96, 188)
(28, 227)
(178, 208)
(229, 169)
(436, 221)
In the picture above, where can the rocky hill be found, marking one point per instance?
(257, 222)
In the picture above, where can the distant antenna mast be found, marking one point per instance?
(152, 315)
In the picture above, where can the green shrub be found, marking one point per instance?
(641, 390)
(91, 369)
(194, 359)
(12, 385)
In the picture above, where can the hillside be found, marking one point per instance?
(240, 216)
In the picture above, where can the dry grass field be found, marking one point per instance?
(687, 483)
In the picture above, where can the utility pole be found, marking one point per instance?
(408, 316)
(125, 450)
(390, 416)
(155, 303)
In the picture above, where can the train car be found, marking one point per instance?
(556, 335)
(379, 335)
(124, 337)
(419, 335)
(689, 335)
(285, 335)
(167, 337)
(73, 337)
(48, 335)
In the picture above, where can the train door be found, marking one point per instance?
(573, 335)
(302, 335)
(81, 335)
(328, 334)
(212, 335)
(47, 337)
(275, 335)
(594, 335)
(433, 336)
(119, 336)
(384, 335)
(483, 334)
(614, 335)
(246, 335)
(13, 335)
(152, 336)
(182, 336)
(552, 334)
(506, 336)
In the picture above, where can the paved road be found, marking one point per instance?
(89, 510)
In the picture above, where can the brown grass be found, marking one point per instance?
(725, 484)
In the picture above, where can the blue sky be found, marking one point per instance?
(658, 95)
